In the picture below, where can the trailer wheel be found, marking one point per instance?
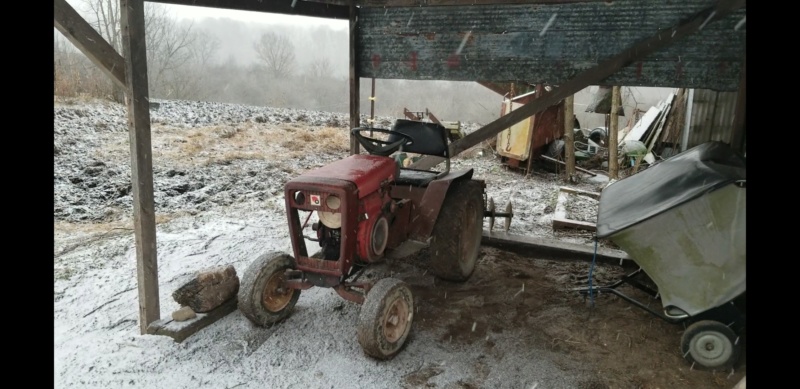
(710, 344)
(457, 232)
(385, 318)
(262, 296)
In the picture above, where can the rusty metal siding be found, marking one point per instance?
(712, 117)
(505, 43)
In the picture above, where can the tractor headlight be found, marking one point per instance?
(333, 202)
(331, 219)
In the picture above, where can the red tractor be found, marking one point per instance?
(369, 209)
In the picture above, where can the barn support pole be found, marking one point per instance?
(536, 118)
(613, 131)
(569, 136)
(135, 56)
(592, 76)
(737, 136)
(355, 84)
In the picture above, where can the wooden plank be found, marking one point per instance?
(332, 10)
(180, 330)
(560, 219)
(562, 224)
(592, 76)
(561, 210)
(569, 136)
(581, 192)
(89, 42)
(553, 249)
(355, 81)
(135, 51)
(613, 133)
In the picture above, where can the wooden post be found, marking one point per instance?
(355, 84)
(135, 56)
(613, 159)
(536, 118)
(569, 136)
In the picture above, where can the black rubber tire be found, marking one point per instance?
(253, 283)
(456, 237)
(724, 344)
(373, 316)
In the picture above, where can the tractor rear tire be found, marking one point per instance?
(262, 297)
(457, 232)
(385, 318)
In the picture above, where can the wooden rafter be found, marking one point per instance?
(338, 10)
(592, 76)
(89, 41)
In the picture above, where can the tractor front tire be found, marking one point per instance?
(263, 297)
(385, 318)
(457, 232)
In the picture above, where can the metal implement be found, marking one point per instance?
(492, 214)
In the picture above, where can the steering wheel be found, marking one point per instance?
(381, 147)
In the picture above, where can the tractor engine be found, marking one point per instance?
(352, 200)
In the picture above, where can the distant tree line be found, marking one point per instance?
(184, 64)
(288, 66)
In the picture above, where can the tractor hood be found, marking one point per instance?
(367, 172)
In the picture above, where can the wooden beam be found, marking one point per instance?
(355, 81)
(545, 248)
(287, 7)
(180, 330)
(89, 41)
(133, 44)
(569, 136)
(592, 76)
(613, 130)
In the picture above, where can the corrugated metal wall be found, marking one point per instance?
(712, 117)
(548, 43)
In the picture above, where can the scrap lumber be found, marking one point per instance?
(180, 330)
(560, 219)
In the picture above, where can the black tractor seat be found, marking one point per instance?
(429, 139)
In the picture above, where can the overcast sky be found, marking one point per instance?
(199, 13)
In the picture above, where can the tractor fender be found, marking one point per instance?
(432, 201)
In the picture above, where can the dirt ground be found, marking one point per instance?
(529, 300)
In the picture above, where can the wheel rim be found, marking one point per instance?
(711, 348)
(276, 295)
(395, 321)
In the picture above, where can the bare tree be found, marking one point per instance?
(321, 68)
(105, 18)
(190, 81)
(276, 52)
(169, 44)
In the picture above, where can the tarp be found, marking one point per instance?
(668, 184)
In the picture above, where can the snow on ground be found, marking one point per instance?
(217, 211)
